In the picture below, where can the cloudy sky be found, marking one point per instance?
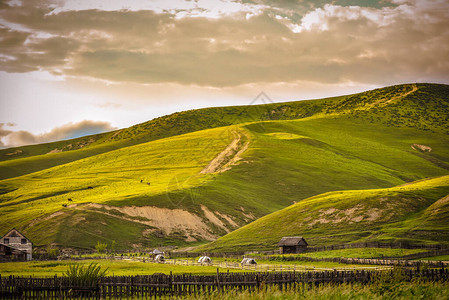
(73, 67)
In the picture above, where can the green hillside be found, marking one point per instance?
(420, 106)
(191, 177)
(417, 212)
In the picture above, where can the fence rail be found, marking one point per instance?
(265, 267)
(363, 261)
(398, 245)
(401, 261)
(157, 286)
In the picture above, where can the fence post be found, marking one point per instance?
(170, 284)
(218, 281)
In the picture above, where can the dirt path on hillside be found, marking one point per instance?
(414, 89)
(229, 156)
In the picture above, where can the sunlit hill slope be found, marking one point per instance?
(194, 176)
(416, 212)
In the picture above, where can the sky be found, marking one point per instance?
(74, 67)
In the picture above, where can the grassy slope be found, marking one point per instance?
(317, 151)
(415, 111)
(283, 164)
(350, 216)
(113, 176)
(27, 159)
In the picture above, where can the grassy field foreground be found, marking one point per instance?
(128, 267)
(394, 290)
(115, 268)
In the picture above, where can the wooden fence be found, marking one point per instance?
(398, 245)
(157, 286)
(361, 261)
(267, 267)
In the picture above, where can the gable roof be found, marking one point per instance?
(13, 232)
(292, 241)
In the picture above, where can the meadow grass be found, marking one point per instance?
(263, 264)
(402, 290)
(440, 257)
(114, 268)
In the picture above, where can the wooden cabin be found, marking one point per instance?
(292, 244)
(17, 240)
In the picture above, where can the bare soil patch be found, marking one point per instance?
(167, 220)
(228, 157)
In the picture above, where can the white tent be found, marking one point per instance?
(248, 261)
(205, 260)
(159, 258)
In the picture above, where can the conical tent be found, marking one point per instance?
(205, 260)
(159, 258)
(249, 261)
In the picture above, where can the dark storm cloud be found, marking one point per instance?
(372, 42)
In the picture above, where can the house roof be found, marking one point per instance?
(292, 241)
(13, 235)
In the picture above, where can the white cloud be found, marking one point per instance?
(322, 19)
(11, 138)
(181, 9)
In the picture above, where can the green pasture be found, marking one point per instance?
(441, 257)
(397, 290)
(342, 153)
(115, 268)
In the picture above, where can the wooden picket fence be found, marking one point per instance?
(186, 285)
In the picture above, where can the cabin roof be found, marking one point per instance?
(292, 241)
(11, 233)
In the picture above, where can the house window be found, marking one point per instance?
(23, 241)
(6, 241)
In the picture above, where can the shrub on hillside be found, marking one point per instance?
(101, 247)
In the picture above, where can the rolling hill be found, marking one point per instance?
(420, 106)
(194, 176)
(415, 212)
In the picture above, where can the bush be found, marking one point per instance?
(52, 253)
(101, 247)
(85, 275)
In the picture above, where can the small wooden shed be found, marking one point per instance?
(292, 244)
